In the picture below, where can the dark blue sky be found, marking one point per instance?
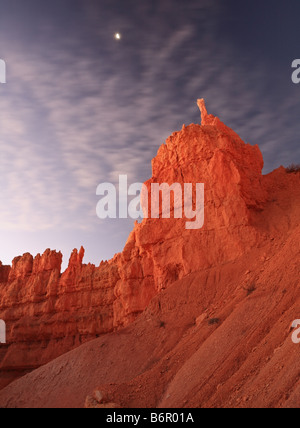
(80, 108)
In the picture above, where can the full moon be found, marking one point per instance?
(118, 36)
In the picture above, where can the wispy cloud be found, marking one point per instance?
(83, 109)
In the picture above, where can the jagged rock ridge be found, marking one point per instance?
(49, 313)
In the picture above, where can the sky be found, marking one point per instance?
(80, 108)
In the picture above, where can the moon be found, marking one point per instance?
(118, 36)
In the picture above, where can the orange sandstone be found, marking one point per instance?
(215, 304)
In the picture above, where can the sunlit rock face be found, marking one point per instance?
(160, 251)
(49, 313)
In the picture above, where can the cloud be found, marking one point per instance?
(82, 109)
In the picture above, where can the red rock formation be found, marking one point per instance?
(4, 273)
(160, 251)
(212, 339)
(49, 313)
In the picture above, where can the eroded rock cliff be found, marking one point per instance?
(49, 313)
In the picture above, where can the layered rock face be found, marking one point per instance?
(161, 251)
(49, 313)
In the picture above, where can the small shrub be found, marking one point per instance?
(250, 288)
(214, 321)
(293, 169)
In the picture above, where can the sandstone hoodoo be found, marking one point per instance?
(181, 317)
